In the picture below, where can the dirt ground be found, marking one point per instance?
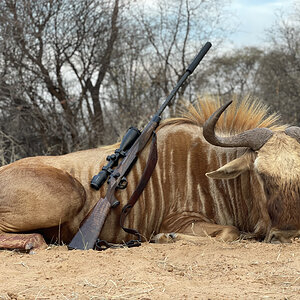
(182, 270)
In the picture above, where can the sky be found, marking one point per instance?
(253, 17)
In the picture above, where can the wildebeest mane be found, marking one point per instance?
(240, 116)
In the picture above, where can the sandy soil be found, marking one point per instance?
(208, 270)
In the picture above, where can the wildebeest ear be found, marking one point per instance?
(233, 168)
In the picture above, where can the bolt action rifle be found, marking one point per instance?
(132, 144)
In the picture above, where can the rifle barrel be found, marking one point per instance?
(188, 72)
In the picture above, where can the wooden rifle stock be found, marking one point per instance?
(90, 230)
(88, 233)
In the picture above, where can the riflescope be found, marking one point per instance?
(128, 140)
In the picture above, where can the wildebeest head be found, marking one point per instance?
(274, 157)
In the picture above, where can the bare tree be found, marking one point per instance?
(233, 73)
(90, 60)
(279, 73)
(76, 73)
(176, 31)
(60, 51)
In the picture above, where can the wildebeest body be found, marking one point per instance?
(52, 195)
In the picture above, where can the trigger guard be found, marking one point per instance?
(123, 183)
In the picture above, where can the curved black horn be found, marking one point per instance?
(293, 132)
(254, 138)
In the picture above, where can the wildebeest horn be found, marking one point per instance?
(293, 132)
(254, 138)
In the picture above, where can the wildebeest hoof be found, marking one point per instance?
(29, 246)
(276, 236)
(164, 238)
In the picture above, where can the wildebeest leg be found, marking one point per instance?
(45, 200)
(200, 229)
(22, 241)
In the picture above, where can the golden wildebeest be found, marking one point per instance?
(245, 181)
